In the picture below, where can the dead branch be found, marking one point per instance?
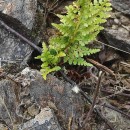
(100, 66)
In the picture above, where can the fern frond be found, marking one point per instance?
(77, 29)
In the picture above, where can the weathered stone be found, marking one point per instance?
(117, 34)
(12, 48)
(45, 120)
(65, 102)
(23, 10)
(122, 5)
(29, 98)
(117, 39)
(8, 102)
(119, 121)
(33, 110)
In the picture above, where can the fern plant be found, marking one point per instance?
(77, 29)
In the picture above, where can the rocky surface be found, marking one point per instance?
(122, 6)
(23, 10)
(8, 102)
(29, 99)
(13, 48)
(118, 121)
(53, 93)
(45, 120)
(117, 32)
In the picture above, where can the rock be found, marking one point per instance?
(45, 120)
(117, 34)
(119, 121)
(33, 110)
(30, 102)
(122, 32)
(23, 10)
(8, 102)
(122, 6)
(52, 91)
(118, 39)
(13, 49)
(116, 21)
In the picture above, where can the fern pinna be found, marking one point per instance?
(78, 28)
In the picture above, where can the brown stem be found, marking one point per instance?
(95, 98)
(100, 66)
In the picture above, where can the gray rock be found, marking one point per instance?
(117, 39)
(13, 48)
(8, 102)
(23, 10)
(119, 121)
(117, 34)
(54, 93)
(45, 120)
(28, 101)
(121, 5)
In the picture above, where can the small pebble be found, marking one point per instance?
(124, 20)
(116, 21)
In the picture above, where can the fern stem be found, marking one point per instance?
(74, 34)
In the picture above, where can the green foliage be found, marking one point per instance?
(77, 29)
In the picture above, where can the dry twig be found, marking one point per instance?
(100, 66)
(88, 117)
